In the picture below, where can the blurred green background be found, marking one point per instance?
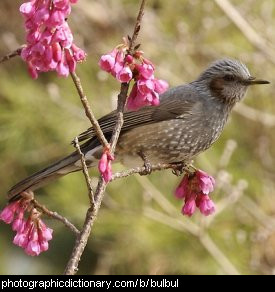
(140, 229)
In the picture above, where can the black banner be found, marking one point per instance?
(106, 282)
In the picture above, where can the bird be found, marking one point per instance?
(187, 121)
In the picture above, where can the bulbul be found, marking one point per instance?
(188, 120)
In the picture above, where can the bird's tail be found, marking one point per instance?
(69, 164)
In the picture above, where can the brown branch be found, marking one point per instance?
(137, 27)
(140, 170)
(88, 111)
(13, 54)
(85, 171)
(92, 212)
(56, 216)
(122, 97)
(81, 242)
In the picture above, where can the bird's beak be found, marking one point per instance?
(253, 81)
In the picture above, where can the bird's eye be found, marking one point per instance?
(228, 77)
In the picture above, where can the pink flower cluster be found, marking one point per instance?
(105, 165)
(194, 190)
(49, 39)
(32, 234)
(124, 68)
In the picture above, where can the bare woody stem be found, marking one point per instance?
(13, 54)
(88, 111)
(122, 97)
(92, 212)
(177, 168)
(82, 239)
(56, 216)
(85, 171)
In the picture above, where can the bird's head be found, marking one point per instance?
(228, 80)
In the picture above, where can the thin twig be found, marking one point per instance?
(88, 111)
(56, 216)
(248, 31)
(92, 212)
(13, 54)
(218, 255)
(141, 169)
(253, 208)
(122, 97)
(85, 171)
(137, 27)
(203, 237)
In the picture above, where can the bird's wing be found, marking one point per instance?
(174, 103)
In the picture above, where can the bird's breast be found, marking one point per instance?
(169, 141)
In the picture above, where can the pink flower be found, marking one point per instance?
(44, 246)
(205, 204)
(107, 63)
(57, 52)
(146, 71)
(136, 100)
(194, 189)
(107, 175)
(189, 206)
(129, 59)
(49, 37)
(21, 240)
(45, 233)
(57, 18)
(147, 89)
(41, 15)
(32, 71)
(160, 86)
(19, 223)
(62, 68)
(103, 163)
(70, 60)
(142, 95)
(206, 182)
(78, 54)
(125, 67)
(32, 235)
(33, 245)
(7, 215)
(105, 166)
(145, 86)
(125, 75)
(183, 189)
(27, 9)
(116, 69)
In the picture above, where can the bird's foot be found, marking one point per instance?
(180, 167)
(147, 164)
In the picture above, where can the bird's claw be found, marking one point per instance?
(147, 165)
(179, 168)
(147, 168)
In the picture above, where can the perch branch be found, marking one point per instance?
(92, 212)
(140, 170)
(56, 216)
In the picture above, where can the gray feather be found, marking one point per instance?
(52, 172)
(174, 103)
